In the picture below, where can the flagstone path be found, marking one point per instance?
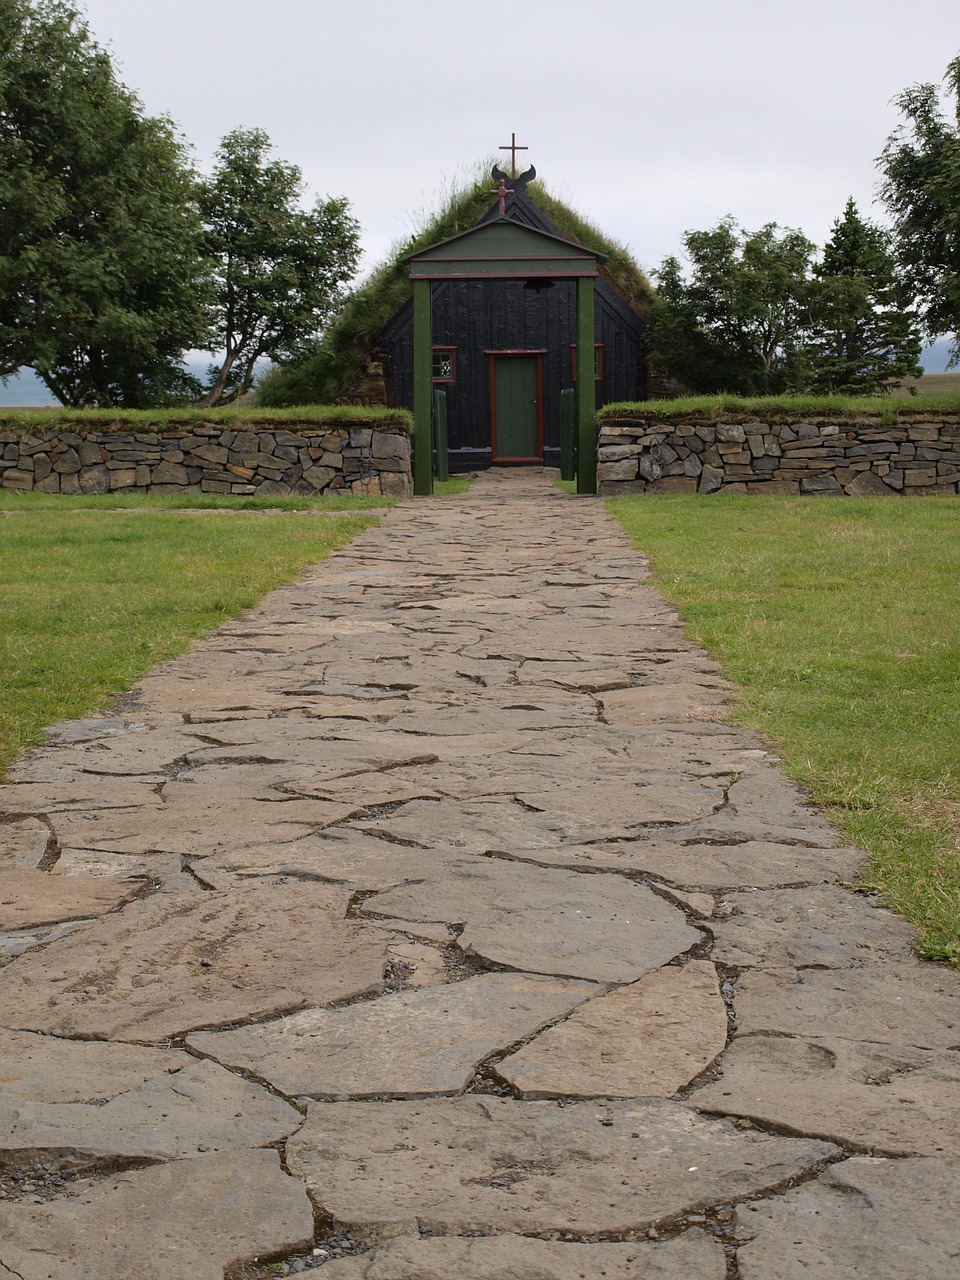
(429, 921)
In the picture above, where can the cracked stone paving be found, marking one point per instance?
(430, 921)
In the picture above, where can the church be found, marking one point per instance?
(503, 349)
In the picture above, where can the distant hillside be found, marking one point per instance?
(931, 384)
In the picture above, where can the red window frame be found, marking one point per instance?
(453, 362)
(597, 361)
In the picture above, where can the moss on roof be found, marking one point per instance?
(889, 409)
(338, 357)
(306, 419)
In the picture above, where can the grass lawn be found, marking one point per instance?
(89, 600)
(840, 620)
(456, 484)
(15, 500)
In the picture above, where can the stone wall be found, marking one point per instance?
(913, 457)
(210, 458)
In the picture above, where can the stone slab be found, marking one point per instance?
(889, 1099)
(422, 965)
(141, 975)
(15, 942)
(146, 751)
(540, 920)
(88, 730)
(824, 927)
(96, 863)
(185, 1109)
(710, 867)
(23, 844)
(632, 801)
(512, 1257)
(649, 1039)
(197, 825)
(339, 855)
(364, 789)
(763, 805)
(494, 822)
(188, 1220)
(907, 1003)
(409, 1044)
(861, 1220)
(50, 1069)
(65, 790)
(493, 1165)
(648, 704)
(31, 899)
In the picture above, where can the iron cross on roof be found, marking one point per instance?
(502, 191)
(513, 148)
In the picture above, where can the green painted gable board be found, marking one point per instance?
(503, 249)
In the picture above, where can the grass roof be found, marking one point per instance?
(338, 357)
(888, 409)
(302, 418)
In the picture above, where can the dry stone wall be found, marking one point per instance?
(912, 457)
(211, 459)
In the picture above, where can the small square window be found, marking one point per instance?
(597, 361)
(444, 364)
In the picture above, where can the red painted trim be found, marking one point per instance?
(538, 355)
(444, 382)
(503, 275)
(598, 347)
(510, 257)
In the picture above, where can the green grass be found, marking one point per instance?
(308, 417)
(840, 623)
(931, 384)
(91, 600)
(189, 500)
(778, 408)
(456, 484)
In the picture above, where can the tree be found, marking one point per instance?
(739, 323)
(102, 278)
(279, 268)
(921, 166)
(863, 334)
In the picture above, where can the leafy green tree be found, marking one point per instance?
(863, 333)
(921, 167)
(738, 324)
(279, 268)
(102, 276)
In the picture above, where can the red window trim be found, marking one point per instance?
(452, 379)
(598, 348)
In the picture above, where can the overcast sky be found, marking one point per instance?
(649, 119)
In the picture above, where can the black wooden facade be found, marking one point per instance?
(479, 324)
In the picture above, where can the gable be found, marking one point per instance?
(501, 250)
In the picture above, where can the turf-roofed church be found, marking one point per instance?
(503, 350)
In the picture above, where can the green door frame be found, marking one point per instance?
(503, 250)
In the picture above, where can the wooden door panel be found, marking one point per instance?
(516, 409)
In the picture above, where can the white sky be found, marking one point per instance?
(649, 118)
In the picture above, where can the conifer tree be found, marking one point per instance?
(863, 333)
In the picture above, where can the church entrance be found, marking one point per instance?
(516, 405)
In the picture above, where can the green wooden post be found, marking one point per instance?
(586, 390)
(568, 434)
(422, 388)
(441, 468)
